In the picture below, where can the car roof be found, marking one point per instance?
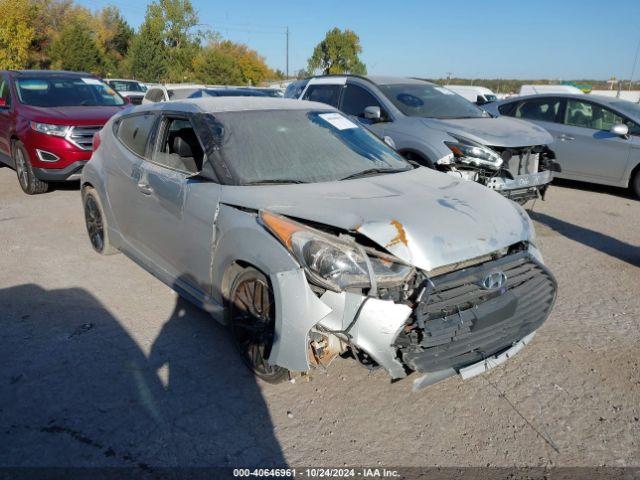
(234, 104)
(376, 79)
(50, 73)
(578, 96)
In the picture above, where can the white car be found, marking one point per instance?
(132, 90)
(166, 92)
(477, 95)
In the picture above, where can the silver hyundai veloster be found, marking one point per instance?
(310, 238)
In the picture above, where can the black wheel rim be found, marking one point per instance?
(21, 169)
(93, 219)
(253, 324)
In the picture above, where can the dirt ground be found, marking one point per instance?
(102, 365)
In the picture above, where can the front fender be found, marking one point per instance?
(241, 239)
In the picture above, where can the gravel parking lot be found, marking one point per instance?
(103, 365)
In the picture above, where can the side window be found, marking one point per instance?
(328, 94)
(4, 91)
(134, 132)
(178, 147)
(355, 99)
(508, 109)
(540, 109)
(590, 115)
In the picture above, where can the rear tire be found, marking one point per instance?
(96, 223)
(252, 324)
(30, 184)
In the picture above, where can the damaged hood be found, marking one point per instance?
(495, 132)
(426, 218)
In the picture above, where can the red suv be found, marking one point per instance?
(47, 122)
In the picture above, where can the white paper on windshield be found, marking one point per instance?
(338, 121)
(444, 90)
(92, 81)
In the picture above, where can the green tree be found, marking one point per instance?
(338, 53)
(16, 33)
(76, 49)
(147, 54)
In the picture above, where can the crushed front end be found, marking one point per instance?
(519, 173)
(464, 317)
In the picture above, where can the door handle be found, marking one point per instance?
(564, 137)
(145, 189)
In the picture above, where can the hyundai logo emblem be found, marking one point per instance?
(494, 281)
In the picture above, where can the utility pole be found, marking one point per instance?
(287, 34)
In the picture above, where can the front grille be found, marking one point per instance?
(458, 322)
(82, 137)
(135, 100)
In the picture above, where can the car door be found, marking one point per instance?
(355, 99)
(6, 120)
(123, 171)
(586, 148)
(178, 208)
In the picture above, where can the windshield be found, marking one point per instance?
(430, 101)
(66, 92)
(298, 146)
(631, 109)
(226, 92)
(127, 86)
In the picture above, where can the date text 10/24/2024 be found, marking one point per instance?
(316, 473)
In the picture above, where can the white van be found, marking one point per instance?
(548, 89)
(477, 95)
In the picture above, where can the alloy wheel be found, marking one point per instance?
(253, 324)
(22, 169)
(93, 219)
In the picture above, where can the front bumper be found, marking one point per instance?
(69, 173)
(453, 329)
(521, 187)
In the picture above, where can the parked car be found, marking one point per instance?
(295, 89)
(437, 128)
(164, 93)
(597, 138)
(228, 92)
(130, 89)
(47, 122)
(310, 237)
(477, 95)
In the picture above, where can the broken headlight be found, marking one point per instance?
(473, 153)
(332, 262)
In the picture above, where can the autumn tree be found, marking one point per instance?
(338, 53)
(16, 32)
(229, 63)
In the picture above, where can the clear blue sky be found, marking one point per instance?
(559, 39)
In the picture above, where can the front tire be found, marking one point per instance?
(252, 324)
(96, 223)
(635, 183)
(30, 184)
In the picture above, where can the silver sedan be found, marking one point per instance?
(310, 238)
(596, 138)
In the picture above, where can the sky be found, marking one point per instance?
(561, 39)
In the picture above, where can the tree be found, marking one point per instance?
(338, 53)
(16, 33)
(114, 37)
(76, 49)
(147, 54)
(228, 63)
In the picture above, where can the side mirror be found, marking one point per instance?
(3, 103)
(620, 129)
(373, 113)
(480, 100)
(389, 141)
